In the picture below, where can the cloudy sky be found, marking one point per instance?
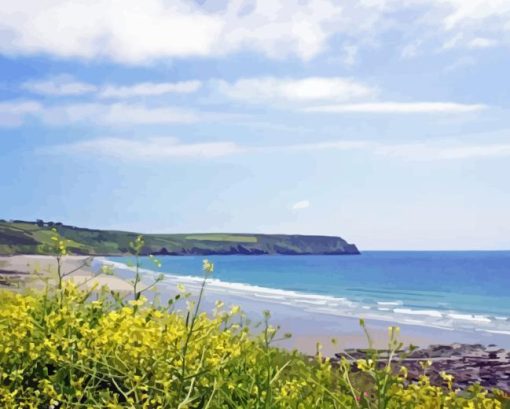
(384, 121)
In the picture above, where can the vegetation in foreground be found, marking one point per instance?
(70, 348)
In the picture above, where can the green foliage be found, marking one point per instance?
(58, 247)
(223, 237)
(73, 349)
(27, 237)
(136, 247)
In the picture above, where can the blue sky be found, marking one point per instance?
(385, 122)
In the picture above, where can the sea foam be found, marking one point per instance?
(390, 311)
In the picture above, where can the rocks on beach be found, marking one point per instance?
(469, 364)
(11, 278)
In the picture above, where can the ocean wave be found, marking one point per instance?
(389, 303)
(493, 331)
(428, 313)
(470, 317)
(390, 311)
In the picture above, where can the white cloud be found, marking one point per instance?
(262, 89)
(461, 63)
(147, 148)
(465, 40)
(117, 114)
(469, 22)
(408, 151)
(278, 28)
(336, 145)
(480, 42)
(66, 85)
(60, 85)
(424, 152)
(272, 89)
(13, 113)
(125, 31)
(399, 108)
(475, 13)
(149, 89)
(303, 204)
(131, 32)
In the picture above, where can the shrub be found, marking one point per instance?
(68, 348)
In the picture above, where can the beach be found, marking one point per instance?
(31, 270)
(310, 320)
(306, 324)
(459, 291)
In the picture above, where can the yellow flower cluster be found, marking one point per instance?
(71, 349)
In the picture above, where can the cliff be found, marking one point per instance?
(22, 237)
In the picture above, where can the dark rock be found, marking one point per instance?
(162, 252)
(469, 364)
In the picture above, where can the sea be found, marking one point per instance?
(442, 289)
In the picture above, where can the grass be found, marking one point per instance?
(223, 237)
(44, 238)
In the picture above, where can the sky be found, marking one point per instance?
(386, 122)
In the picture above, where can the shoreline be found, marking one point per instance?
(334, 310)
(308, 326)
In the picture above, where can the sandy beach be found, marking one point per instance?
(31, 270)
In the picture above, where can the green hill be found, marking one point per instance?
(21, 237)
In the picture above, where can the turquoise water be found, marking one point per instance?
(446, 289)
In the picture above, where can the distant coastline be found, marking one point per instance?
(26, 237)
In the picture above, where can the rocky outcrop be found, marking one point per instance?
(469, 364)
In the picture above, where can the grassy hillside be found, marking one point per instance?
(20, 237)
